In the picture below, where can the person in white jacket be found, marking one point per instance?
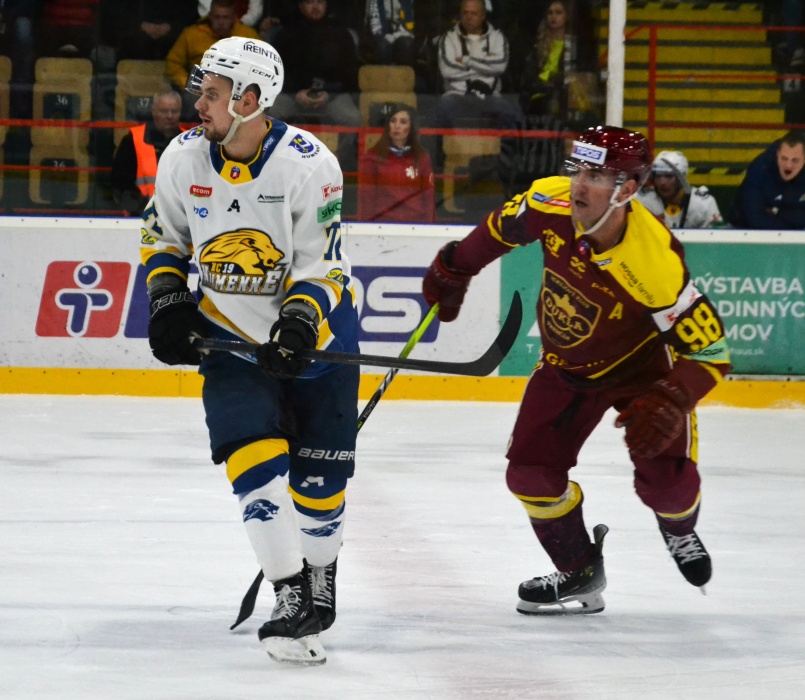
(473, 57)
(669, 196)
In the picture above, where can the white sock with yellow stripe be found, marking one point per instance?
(321, 524)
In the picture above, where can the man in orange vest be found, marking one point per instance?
(134, 169)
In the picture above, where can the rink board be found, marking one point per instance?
(75, 315)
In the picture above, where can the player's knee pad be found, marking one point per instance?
(256, 464)
(320, 506)
(536, 479)
(541, 508)
(271, 524)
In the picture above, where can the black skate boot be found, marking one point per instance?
(322, 587)
(575, 592)
(291, 635)
(690, 556)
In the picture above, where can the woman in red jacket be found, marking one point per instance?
(396, 176)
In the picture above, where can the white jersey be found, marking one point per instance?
(259, 232)
(702, 209)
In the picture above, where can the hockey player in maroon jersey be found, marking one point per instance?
(622, 326)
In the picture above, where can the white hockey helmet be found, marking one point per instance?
(245, 62)
(672, 163)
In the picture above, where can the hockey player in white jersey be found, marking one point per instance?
(669, 196)
(255, 203)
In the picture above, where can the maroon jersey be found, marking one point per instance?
(601, 316)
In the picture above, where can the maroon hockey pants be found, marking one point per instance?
(552, 425)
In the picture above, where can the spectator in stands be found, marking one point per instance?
(349, 13)
(551, 58)
(473, 56)
(67, 28)
(220, 23)
(18, 16)
(396, 177)
(554, 80)
(389, 25)
(248, 11)
(669, 196)
(772, 194)
(321, 72)
(433, 18)
(789, 49)
(134, 168)
(144, 30)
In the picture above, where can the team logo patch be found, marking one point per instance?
(325, 531)
(192, 133)
(245, 261)
(301, 144)
(261, 509)
(234, 174)
(568, 317)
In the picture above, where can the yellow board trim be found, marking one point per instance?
(248, 456)
(322, 504)
(739, 393)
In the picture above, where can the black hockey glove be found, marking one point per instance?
(295, 331)
(445, 285)
(174, 318)
(655, 419)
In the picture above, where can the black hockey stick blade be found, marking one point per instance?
(481, 367)
(249, 601)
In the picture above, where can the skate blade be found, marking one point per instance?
(583, 605)
(305, 651)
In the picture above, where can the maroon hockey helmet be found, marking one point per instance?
(612, 148)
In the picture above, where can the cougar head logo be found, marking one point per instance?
(251, 252)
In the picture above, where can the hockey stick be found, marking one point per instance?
(480, 367)
(249, 601)
(413, 340)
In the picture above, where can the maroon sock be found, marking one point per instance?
(565, 539)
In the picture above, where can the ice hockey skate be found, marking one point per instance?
(292, 634)
(690, 556)
(575, 592)
(322, 588)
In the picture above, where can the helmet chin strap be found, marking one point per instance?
(613, 205)
(237, 120)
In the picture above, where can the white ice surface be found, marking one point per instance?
(123, 561)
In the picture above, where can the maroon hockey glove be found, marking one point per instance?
(655, 419)
(445, 285)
